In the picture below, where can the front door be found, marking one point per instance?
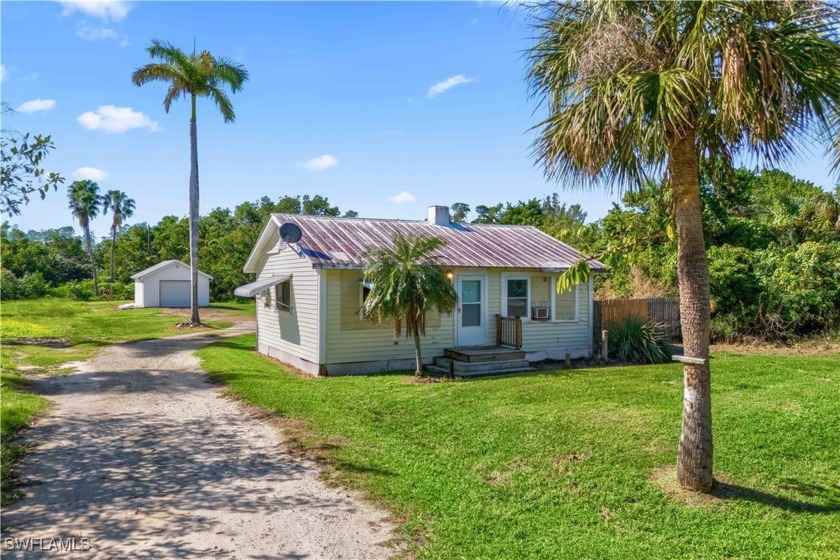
(472, 316)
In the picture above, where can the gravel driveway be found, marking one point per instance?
(143, 456)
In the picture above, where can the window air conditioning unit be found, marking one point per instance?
(540, 312)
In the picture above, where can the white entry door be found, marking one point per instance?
(472, 311)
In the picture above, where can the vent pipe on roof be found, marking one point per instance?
(438, 215)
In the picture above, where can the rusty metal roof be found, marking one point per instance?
(342, 242)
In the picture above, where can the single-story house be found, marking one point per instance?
(167, 284)
(310, 293)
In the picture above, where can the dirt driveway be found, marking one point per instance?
(144, 457)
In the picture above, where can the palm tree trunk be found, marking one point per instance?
(113, 242)
(418, 369)
(89, 246)
(194, 319)
(694, 465)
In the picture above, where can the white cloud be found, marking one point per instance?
(4, 73)
(91, 33)
(106, 10)
(320, 163)
(403, 198)
(447, 84)
(91, 173)
(36, 105)
(112, 119)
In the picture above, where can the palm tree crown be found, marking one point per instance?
(120, 206)
(196, 75)
(84, 201)
(407, 283)
(624, 80)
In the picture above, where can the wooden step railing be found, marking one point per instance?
(509, 332)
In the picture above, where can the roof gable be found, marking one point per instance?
(162, 266)
(342, 242)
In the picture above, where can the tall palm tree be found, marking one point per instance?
(193, 75)
(637, 90)
(405, 284)
(121, 207)
(84, 202)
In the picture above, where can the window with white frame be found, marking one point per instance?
(516, 298)
(283, 295)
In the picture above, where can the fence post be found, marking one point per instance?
(604, 344)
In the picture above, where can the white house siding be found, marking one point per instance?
(138, 294)
(290, 336)
(544, 339)
(354, 345)
(149, 286)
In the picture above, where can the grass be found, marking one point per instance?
(572, 464)
(46, 333)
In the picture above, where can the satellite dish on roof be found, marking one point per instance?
(290, 233)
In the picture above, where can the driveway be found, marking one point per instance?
(144, 457)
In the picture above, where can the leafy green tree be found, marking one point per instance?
(487, 214)
(121, 207)
(135, 251)
(319, 206)
(21, 168)
(193, 75)
(407, 283)
(459, 212)
(648, 89)
(171, 238)
(85, 203)
(289, 205)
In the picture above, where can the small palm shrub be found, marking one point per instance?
(638, 341)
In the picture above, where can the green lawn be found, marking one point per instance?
(74, 330)
(561, 464)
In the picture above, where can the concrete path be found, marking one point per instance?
(144, 457)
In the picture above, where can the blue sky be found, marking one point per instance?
(385, 108)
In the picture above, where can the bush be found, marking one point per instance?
(81, 290)
(638, 341)
(9, 285)
(804, 285)
(33, 285)
(116, 291)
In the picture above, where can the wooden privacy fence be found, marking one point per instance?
(665, 312)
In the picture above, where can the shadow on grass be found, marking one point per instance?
(732, 492)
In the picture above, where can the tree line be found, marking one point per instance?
(773, 243)
(57, 261)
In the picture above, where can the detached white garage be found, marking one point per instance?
(167, 284)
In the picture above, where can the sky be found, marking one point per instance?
(383, 107)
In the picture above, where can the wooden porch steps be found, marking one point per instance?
(467, 361)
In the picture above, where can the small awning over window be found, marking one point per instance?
(252, 289)
(366, 284)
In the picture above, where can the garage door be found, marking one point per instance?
(174, 293)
